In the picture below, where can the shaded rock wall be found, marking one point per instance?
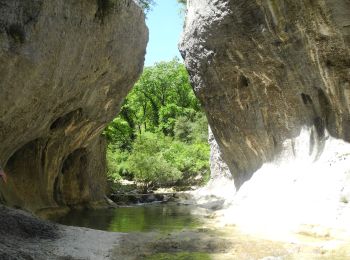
(65, 67)
(221, 187)
(264, 70)
(218, 167)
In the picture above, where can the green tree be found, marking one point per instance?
(160, 135)
(148, 164)
(162, 94)
(117, 167)
(146, 4)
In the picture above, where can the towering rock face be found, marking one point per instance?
(218, 167)
(265, 70)
(65, 67)
(221, 186)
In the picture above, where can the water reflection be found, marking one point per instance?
(151, 217)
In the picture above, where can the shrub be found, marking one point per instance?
(160, 136)
(148, 164)
(117, 167)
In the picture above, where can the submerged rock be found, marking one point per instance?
(65, 68)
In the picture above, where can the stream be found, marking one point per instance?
(162, 217)
(172, 231)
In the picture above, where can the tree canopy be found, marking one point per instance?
(160, 135)
(147, 4)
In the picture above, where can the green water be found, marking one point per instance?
(160, 218)
(174, 232)
(140, 218)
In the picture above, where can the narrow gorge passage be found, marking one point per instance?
(104, 129)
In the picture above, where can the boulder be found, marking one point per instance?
(266, 70)
(65, 68)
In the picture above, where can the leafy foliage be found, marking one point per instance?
(182, 1)
(160, 136)
(148, 163)
(146, 5)
(116, 163)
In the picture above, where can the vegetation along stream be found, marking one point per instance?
(159, 141)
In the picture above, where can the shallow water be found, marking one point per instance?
(174, 232)
(139, 218)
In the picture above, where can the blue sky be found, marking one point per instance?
(165, 27)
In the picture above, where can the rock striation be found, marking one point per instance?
(65, 68)
(266, 70)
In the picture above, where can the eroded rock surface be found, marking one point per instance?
(65, 67)
(265, 70)
(23, 236)
(221, 186)
(218, 167)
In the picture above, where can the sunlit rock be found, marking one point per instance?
(264, 70)
(274, 80)
(299, 195)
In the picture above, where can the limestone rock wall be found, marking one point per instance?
(221, 186)
(218, 167)
(264, 70)
(65, 68)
